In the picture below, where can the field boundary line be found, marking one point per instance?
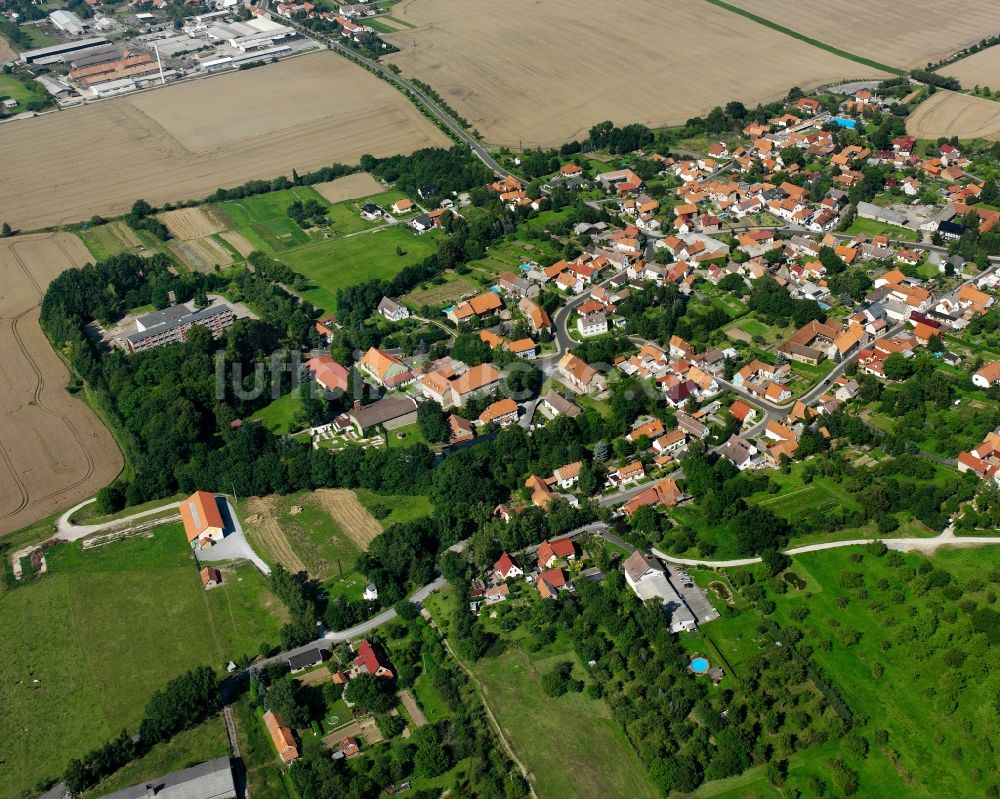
(868, 62)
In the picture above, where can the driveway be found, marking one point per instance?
(235, 545)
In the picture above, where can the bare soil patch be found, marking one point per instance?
(54, 451)
(317, 677)
(265, 532)
(7, 53)
(349, 187)
(184, 141)
(239, 241)
(202, 255)
(570, 67)
(951, 114)
(194, 223)
(412, 709)
(350, 515)
(364, 729)
(878, 30)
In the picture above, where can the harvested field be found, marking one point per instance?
(7, 53)
(239, 241)
(54, 451)
(318, 532)
(451, 291)
(917, 36)
(185, 140)
(950, 114)
(349, 187)
(568, 74)
(201, 255)
(350, 515)
(265, 533)
(194, 223)
(982, 69)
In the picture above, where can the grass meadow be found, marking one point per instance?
(279, 416)
(88, 643)
(571, 744)
(336, 263)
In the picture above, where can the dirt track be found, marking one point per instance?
(950, 114)
(186, 140)
(533, 73)
(54, 451)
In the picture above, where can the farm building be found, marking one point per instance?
(202, 519)
(390, 412)
(212, 779)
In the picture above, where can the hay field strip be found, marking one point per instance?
(184, 141)
(350, 515)
(549, 93)
(905, 36)
(54, 451)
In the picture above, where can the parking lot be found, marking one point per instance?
(694, 597)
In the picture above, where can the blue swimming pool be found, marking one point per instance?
(844, 122)
(699, 666)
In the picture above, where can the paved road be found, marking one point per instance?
(234, 546)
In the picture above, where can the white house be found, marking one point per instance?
(392, 310)
(593, 324)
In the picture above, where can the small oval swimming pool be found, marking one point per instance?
(699, 666)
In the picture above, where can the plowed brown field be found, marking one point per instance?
(54, 451)
(184, 141)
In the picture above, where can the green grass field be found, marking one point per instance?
(279, 416)
(872, 228)
(344, 261)
(14, 89)
(405, 436)
(245, 613)
(264, 221)
(571, 744)
(404, 508)
(346, 215)
(85, 646)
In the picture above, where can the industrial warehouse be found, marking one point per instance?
(92, 67)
